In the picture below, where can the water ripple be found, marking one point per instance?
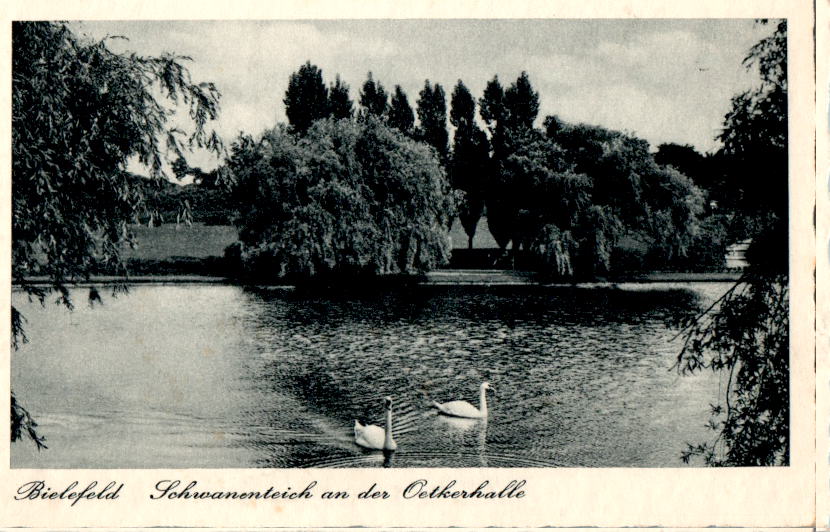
(218, 376)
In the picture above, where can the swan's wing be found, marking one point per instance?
(458, 409)
(369, 436)
(359, 430)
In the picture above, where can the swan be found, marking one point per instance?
(465, 409)
(374, 437)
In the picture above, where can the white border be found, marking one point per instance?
(748, 497)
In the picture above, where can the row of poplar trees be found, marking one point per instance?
(473, 158)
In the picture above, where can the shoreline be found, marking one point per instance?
(434, 278)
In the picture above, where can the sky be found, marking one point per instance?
(662, 80)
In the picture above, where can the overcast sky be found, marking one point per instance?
(663, 80)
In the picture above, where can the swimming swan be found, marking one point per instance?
(374, 437)
(465, 409)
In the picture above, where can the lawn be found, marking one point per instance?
(482, 240)
(171, 240)
(199, 241)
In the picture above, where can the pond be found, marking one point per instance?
(221, 376)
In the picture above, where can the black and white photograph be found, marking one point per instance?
(501, 243)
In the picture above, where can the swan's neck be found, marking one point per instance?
(388, 442)
(483, 402)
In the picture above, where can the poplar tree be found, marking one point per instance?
(373, 98)
(521, 103)
(401, 115)
(340, 105)
(469, 159)
(306, 98)
(494, 113)
(509, 116)
(432, 114)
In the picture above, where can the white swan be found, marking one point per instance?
(374, 437)
(465, 409)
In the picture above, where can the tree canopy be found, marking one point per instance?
(569, 195)
(432, 115)
(684, 158)
(401, 115)
(491, 105)
(521, 103)
(373, 98)
(470, 158)
(340, 104)
(350, 198)
(307, 98)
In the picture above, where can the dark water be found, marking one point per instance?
(220, 376)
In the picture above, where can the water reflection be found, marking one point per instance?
(465, 433)
(220, 376)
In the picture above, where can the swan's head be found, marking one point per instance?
(387, 402)
(485, 386)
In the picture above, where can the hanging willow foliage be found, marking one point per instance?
(80, 112)
(349, 198)
(746, 332)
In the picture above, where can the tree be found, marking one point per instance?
(684, 158)
(718, 225)
(521, 103)
(340, 105)
(206, 198)
(350, 199)
(535, 192)
(462, 107)
(494, 114)
(704, 170)
(491, 107)
(401, 115)
(623, 172)
(470, 157)
(373, 98)
(306, 98)
(676, 206)
(432, 114)
(746, 332)
(79, 113)
(509, 115)
(635, 197)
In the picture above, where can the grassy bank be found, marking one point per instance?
(182, 253)
(199, 240)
